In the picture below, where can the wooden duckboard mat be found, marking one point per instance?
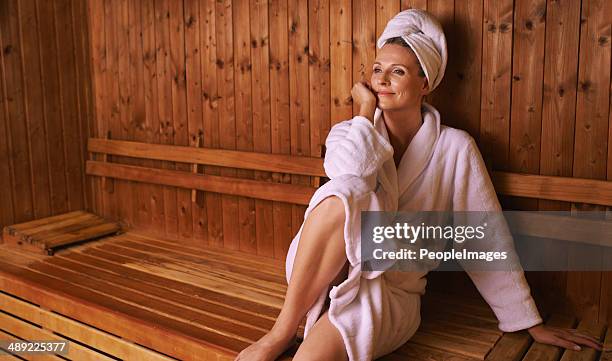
(47, 234)
(134, 297)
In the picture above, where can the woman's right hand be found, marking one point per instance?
(364, 97)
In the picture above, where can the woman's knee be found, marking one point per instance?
(329, 211)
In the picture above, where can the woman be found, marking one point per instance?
(433, 167)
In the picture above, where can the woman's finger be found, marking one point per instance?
(557, 341)
(582, 341)
(580, 334)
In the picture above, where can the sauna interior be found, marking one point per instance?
(157, 157)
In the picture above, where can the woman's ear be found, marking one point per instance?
(425, 87)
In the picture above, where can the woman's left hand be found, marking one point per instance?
(563, 337)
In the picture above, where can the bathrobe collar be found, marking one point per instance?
(417, 155)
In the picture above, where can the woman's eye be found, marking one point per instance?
(399, 71)
(376, 70)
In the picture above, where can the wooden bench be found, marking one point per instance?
(133, 296)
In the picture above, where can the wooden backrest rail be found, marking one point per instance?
(512, 184)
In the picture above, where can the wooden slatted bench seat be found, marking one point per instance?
(135, 297)
(132, 296)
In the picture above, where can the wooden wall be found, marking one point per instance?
(44, 107)
(529, 79)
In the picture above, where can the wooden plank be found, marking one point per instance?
(35, 110)
(211, 98)
(154, 193)
(543, 352)
(6, 200)
(90, 336)
(496, 72)
(413, 4)
(114, 316)
(555, 188)
(210, 298)
(385, 11)
(527, 77)
(364, 43)
(19, 160)
(418, 352)
(305, 165)
(140, 211)
(72, 137)
(95, 231)
(452, 344)
(83, 84)
(290, 193)
(466, 66)
(588, 327)
(179, 112)
(9, 337)
(211, 325)
(299, 107)
(31, 332)
(442, 98)
(592, 107)
(262, 141)
(318, 77)
(53, 115)
(279, 116)
(606, 355)
(244, 117)
(43, 221)
(97, 43)
(226, 103)
(341, 30)
(511, 347)
(195, 126)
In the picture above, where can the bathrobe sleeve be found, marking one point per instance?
(507, 292)
(355, 147)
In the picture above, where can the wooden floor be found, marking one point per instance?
(138, 298)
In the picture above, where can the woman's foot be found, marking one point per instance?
(268, 348)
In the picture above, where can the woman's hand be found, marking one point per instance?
(364, 97)
(563, 337)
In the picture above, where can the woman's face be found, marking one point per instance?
(396, 80)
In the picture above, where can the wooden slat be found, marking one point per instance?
(35, 108)
(341, 30)
(77, 331)
(23, 356)
(413, 4)
(120, 318)
(606, 355)
(30, 332)
(496, 67)
(594, 329)
(543, 352)
(555, 188)
(452, 344)
(526, 107)
(193, 66)
(43, 221)
(244, 117)
(291, 193)
(53, 114)
(511, 347)
(226, 105)
(364, 43)
(279, 115)
(7, 208)
(299, 107)
(413, 351)
(210, 94)
(262, 142)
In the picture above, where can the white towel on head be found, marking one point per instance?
(425, 36)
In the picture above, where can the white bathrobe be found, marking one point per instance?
(441, 170)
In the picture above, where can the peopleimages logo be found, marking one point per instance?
(410, 233)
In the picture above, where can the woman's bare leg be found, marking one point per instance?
(319, 260)
(323, 343)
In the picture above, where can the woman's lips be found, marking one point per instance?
(383, 94)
